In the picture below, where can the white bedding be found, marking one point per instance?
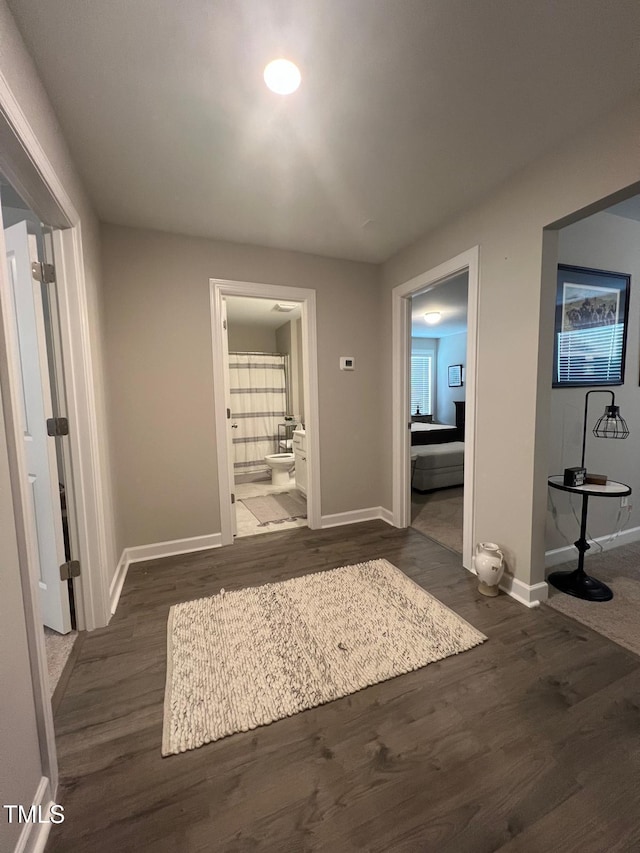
(429, 427)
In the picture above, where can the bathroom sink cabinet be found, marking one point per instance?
(300, 451)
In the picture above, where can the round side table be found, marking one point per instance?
(578, 583)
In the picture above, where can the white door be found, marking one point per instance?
(40, 451)
(232, 426)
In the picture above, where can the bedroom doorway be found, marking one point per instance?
(288, 321)
(440, 455)
(437, 407)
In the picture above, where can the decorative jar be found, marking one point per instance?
(489, 565)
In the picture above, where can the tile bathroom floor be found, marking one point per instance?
(248, 524)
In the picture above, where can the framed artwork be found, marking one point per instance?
(590, 340)
(455, 375)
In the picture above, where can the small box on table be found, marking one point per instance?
(574, 476)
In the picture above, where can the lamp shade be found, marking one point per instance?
(611, 424)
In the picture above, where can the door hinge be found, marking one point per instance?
(43, 272)
(57, 426)
(69, 570)
(228, 414)
(233, 498)
(409, 425)
(224, 324)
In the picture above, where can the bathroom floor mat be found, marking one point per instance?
(270, 509)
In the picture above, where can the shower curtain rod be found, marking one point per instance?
(238, 352)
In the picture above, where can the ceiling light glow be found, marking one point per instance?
(432, 317)
(282, 76)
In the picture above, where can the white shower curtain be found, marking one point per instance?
(258, 405)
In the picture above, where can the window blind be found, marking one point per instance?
(591, 355)
(421, 382)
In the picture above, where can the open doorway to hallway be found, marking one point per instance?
(594, 312)
(437, 407)
(266, 399)
(35, 361)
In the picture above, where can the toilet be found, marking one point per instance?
(281, 465)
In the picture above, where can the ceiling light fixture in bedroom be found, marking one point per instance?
(282, 76)
(432, 317)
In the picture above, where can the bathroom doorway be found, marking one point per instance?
(265, 388)
(266, 398)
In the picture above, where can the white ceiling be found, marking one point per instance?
(409, 110)
(450, 298)
(251, 311)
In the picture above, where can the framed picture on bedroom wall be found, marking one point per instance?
(590, 340)
(455, 375)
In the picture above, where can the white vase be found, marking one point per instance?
(489, 567)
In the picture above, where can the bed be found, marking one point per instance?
(432, 433)
(424, 431)
(437, 453)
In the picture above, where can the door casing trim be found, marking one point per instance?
(26, 165)
(401, 337)
(219, 288)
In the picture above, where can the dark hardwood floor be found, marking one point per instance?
(529, 742)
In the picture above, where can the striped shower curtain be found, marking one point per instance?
(258, 405)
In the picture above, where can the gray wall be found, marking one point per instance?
(249, 337)
(289, 342)
(515, 323)
(13, 215)
(161, 382)
(605, 242)
(452, 349)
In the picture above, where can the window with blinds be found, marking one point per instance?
(591, 356)
(421, 383)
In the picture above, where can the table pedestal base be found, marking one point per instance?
(580, 585)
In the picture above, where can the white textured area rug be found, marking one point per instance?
(246, 658)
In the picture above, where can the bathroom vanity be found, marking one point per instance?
(300, 452)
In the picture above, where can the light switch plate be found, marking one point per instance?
(347, 362)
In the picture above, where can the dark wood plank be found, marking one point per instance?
(526, 743)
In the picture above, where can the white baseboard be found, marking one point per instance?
(156, 551)
(117, 581)
(531, 595)
(569, 552)
(33, 838)
(355, 516)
